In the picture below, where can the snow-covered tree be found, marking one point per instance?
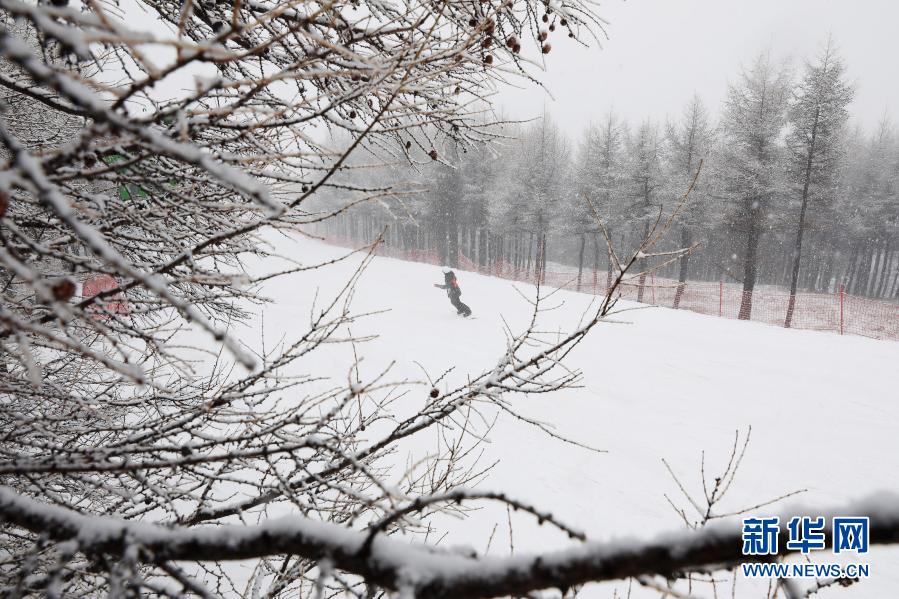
(817, 116)
(868, 203)
(578, 219)
(152, 198)
(753, 154)
(546, 162)
(642, 184)
(478, 167)
(688, 142)
(531, 190)
(597, 179)
(445, 204)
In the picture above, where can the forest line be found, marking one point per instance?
(791, 193)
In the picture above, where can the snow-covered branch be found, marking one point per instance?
(419, 570)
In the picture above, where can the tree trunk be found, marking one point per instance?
(580, 260)
(452, 243)
(882, 269)
(440, 233)
(750, 264)
(527, 265)
(797, 249)
(608, 260)
(642, 263)
(482, 247)
(849, 275)
(863, 272)
(541, 276)
(887, 273)
(685, 242)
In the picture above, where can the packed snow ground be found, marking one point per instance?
(657, 384)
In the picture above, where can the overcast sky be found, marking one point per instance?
(660, 52)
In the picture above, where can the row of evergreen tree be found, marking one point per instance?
(790, 193)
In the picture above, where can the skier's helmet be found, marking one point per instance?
(445, 269)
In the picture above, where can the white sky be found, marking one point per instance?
(660, 52)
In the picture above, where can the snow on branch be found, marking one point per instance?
(418, 569)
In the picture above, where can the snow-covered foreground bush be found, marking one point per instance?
(144, 146)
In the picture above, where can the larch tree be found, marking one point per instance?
(688, 142)
(596, 182)
(531, 189)
(752, 126)
(446, 208)
(478, 168)
(817, 117)
(585, 182)
(869, 198)
(507, 200)
(642, 185)
(610, 174)
(545, 184)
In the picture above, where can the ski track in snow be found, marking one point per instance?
(657, 384)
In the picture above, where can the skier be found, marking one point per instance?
(453, 291)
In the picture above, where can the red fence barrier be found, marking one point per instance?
(814, 311)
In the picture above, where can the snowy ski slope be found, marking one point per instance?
(658, 383)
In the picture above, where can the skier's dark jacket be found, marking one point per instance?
(451, 285)
(454, 292)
